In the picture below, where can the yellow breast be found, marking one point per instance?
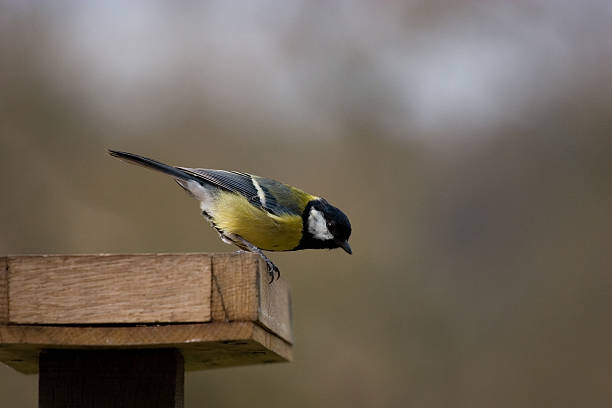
(234, 214)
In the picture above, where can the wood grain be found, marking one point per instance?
(274, 306)
(4, 312)
(109, 289)
(235, 287)
(241, 292)
(208, 345)
(218, 310)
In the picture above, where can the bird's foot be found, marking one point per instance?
(272, 269)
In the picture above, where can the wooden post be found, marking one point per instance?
(111, 378)
(119, 330)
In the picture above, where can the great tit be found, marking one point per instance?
(257, 213)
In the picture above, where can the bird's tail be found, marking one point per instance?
(154, 164)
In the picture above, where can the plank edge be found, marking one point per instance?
(21, 345)
(4, 290)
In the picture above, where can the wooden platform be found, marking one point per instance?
(218, 310)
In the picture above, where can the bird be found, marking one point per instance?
(257, 213)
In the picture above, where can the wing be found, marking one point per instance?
(281, 198)
(270, 195)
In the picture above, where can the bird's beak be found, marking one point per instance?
(345, 245)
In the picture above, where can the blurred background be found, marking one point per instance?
(469, 142)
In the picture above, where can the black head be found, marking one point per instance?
(325, 226)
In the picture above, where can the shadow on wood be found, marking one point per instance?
(111, 378)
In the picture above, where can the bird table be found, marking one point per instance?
(120, 330)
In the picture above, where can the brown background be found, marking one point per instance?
(469, 143)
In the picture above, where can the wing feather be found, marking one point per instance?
(278, 198)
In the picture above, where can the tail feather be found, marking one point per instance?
(154, 164)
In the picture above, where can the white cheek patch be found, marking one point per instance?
(317, 225)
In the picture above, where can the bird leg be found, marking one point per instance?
(244, 244)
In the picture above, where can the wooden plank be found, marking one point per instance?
(258, 347)
(111, 378)
(274, 308)
(21, 358)
(241, 292)
(208, 345)
(218, 310)
(4, 312)
(234, 287)
(93, 289)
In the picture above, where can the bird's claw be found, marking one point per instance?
(244, 244)
(272, 271)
